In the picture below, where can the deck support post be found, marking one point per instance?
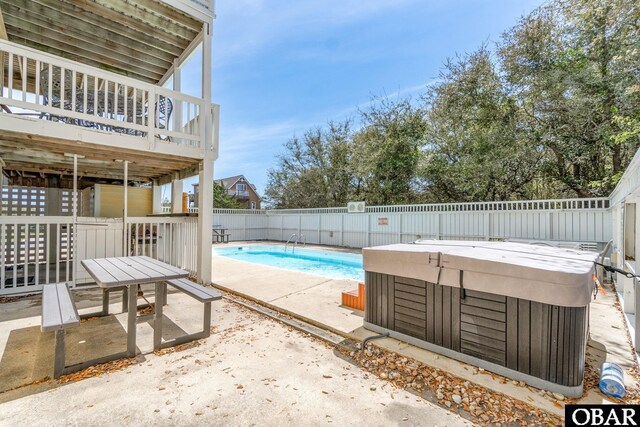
(75, 219)
(205, 196)
(176, 196)
(125, 210)
(157, 198)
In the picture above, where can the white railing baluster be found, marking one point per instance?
(25, 78)
(49, 85)
(135, 106)
(27, 244)
(115, 100)
(73, 90)
(10, 77)
(16, 253)
(63, 72)
(126, 104)
(37, 275)
(95, 95)
(58, 254)
(36, 83)
(135, 246)
(47, 251)
(105, 106)
(151, 120)
(85, 91)
(68, 254)
(3, 260)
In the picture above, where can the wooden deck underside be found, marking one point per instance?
(24, 152)
(105, 34)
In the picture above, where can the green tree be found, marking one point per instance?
(573, 67)
(553, 111)
(313, 171)
(388, 150)
(475, 151)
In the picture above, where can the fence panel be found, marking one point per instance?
(572, 220)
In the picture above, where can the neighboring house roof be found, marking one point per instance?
(229, 182)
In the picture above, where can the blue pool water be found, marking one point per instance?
(335, 265)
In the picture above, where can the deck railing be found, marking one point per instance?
(43, 249)
(56, 89)
(171, 240)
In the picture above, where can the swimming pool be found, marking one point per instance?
(335, 265)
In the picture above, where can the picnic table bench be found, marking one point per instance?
(198, 292)
(220, 234)
(59, 313)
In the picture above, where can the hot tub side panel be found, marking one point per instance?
(541, 340)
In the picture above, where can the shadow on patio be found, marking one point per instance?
(28, 354)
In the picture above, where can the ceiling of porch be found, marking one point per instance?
(30, 155)
(138, 39)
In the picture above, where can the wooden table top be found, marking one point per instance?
(124, 271)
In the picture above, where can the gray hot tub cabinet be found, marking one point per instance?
(518, 310)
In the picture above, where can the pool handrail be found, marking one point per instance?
(293, 236)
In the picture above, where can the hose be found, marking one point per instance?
(371, 338)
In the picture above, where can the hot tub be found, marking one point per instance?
(518, 310)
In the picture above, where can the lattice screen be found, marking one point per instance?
(36, 201)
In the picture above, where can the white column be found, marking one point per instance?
(205, 197)
(176, 196)
(205, 221)
(177, 86)
(125, 210)
(75, 218)
(157, 198)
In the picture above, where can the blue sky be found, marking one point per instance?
(282, 67)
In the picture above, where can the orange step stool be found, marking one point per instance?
(355, 298)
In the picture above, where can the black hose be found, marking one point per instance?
(371, 338)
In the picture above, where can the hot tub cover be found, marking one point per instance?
(550, 275)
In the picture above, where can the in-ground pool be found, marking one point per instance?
(335, 265)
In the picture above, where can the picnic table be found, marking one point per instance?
(124, 272)
(220, 234)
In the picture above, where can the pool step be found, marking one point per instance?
(355, 298)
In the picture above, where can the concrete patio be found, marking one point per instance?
(252, 370)
(317, 300)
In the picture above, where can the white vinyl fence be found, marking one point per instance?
(583, 221)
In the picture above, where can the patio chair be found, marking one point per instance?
(163, 110)
(55, 80)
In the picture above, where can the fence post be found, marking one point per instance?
(487, 225)
(637, 317)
